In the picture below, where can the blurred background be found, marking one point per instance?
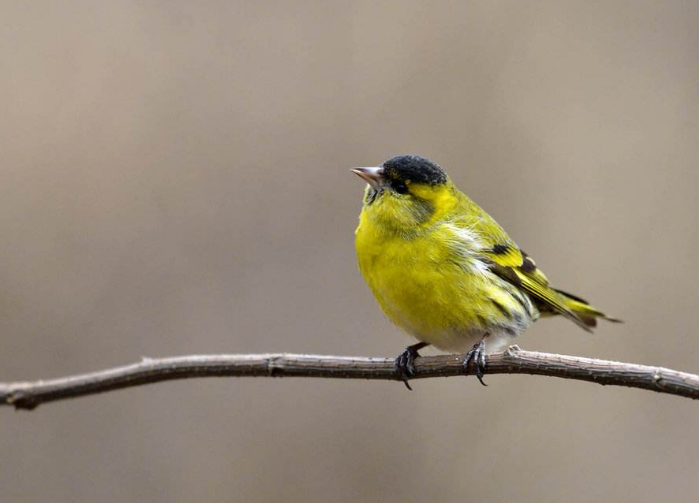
(174, 180)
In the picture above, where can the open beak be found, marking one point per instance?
(372, 176)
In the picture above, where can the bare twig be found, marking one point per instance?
(28, 395)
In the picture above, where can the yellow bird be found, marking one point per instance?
(444, 271)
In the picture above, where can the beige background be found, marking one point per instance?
(173, 180)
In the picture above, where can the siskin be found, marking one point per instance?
(444, 271)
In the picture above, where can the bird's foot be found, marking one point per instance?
(405, 363)
(477, 355)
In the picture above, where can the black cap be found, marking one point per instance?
(414, 168)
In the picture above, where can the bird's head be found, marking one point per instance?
(406, 193)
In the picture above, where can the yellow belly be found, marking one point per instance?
(438, 297)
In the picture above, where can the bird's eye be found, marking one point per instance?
(400, 187)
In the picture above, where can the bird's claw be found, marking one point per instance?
(477, 355)
(405, 363)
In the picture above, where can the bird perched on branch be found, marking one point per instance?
(444, 271)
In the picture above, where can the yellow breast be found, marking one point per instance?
(433, 290)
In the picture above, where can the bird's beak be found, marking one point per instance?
(372, 176)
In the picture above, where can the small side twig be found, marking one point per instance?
(28, 395)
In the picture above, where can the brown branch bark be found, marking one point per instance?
(28, 395)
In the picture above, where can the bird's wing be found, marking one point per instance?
(508, 261)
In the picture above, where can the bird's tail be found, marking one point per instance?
(587, 314)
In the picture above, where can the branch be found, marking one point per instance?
(28, 395)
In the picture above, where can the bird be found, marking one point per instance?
(445, 272)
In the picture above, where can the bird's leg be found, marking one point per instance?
(405, 363)
(477, 355)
